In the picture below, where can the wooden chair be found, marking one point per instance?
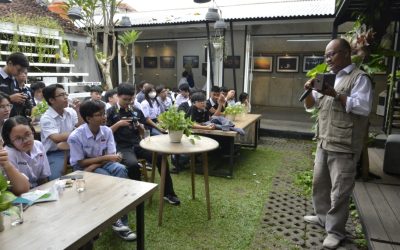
(65, 147)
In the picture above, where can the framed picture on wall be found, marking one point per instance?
(232, 61)
(150, 62)
(138, 62)
(263, 63)
(287, 64)
(193, 61)
(167, 62)
(309, 62)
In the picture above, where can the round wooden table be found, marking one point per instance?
(161, 144)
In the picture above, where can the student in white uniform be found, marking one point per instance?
(5, 108)
(151, 110)
(25, 153)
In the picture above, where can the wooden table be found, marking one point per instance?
(161, 144)
(243, 122)
(76, 218)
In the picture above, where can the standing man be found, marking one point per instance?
(16, 64)
(342, 123)
(24, 108)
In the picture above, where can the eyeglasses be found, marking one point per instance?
(99, 114)
(7, 106)
(62, 95)
(331, 54)
(20, 140)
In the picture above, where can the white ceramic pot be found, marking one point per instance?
(64, 60)
(175, 136)
(230, 117)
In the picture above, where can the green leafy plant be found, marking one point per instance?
(304, 181)
(40, 108)
(64, 49)
(127, 38)
(175, 120)
(235, 109)
(6, 197)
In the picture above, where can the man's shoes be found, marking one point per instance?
(127, 235)
(312, 219)
(331, 242)
(118, 226)
(172, 199)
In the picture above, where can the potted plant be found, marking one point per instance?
(6, 198)
(39, 110)
(176, 124)
(232, 111)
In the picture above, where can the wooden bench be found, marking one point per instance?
(378, 204)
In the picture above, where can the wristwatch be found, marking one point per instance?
(337, 96)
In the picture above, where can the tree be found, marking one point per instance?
(126, 39)
(93, 23)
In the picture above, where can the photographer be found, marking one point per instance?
(126, 122)
(342, 124)
(24, 108)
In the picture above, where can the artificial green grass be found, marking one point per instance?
(236, 207)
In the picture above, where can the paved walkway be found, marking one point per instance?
(282, 225)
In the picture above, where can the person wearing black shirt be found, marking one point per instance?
(126, 123)
(216, 103)
(16, 63)
(198, 113)
(25, 108)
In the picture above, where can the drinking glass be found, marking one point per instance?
(17, 218)
(80, 185)
(146, 135)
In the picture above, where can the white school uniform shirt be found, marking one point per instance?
(34, 165)
(53, 123)
(83, 144)
(150, 112)
(165, 105)
(360, 100)
(180, 99)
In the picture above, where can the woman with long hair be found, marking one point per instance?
(151, 110)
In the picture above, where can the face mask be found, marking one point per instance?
(152, 95)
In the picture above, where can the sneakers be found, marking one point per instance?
(127, 235)
(313, 219)
(172, 199)
(118, 226)
(331, 242)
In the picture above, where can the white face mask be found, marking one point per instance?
(152, 95)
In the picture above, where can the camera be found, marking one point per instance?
(324, 79)
(134, 120)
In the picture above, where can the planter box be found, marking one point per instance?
(8, 27)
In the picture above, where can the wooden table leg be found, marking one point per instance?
(205, 171)
(153, 173)
(140, 226)
(192, 167)
(162, 187)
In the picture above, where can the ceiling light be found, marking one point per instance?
(201, 1)
(212, 14)
(75, 13)
(220, 24)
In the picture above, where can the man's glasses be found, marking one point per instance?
(7, 106)
(331, 54)
(62, 95)
(20, 140)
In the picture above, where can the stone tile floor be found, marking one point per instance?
(282, 225)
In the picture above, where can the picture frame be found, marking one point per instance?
(167, 62)
(138, 62)
(309, 62)
(263, 63)
(287, 64)
(150, 62)
(231, 62)
(192, 61)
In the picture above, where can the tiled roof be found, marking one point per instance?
(270, 9)
(32, 9)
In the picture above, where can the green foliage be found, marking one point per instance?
(235, 109)
(40, 108)
(128, 37)
(6, 197)
(39, 21)
(320, 68)
(304, 181)
(175, 120)
(65, 50)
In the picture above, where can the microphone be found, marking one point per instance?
(305, 94)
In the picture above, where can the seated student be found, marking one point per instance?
(230, 97)
(151, 110)
(95, 93)
(5, 109)
(92, 149)
(244, 99)
(56, 124)
(163, 99)
(128, 135)
(198, 113)
(140, 88)
(216, 103)
(111, 98)
(37, 88)
(183, 96)
(18, 181)
(27, 154)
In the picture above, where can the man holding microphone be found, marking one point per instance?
(342, 124)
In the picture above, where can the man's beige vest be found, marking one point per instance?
(337, 130)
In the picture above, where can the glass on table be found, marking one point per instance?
(146, 135)
(17, 214)
(80, 185)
